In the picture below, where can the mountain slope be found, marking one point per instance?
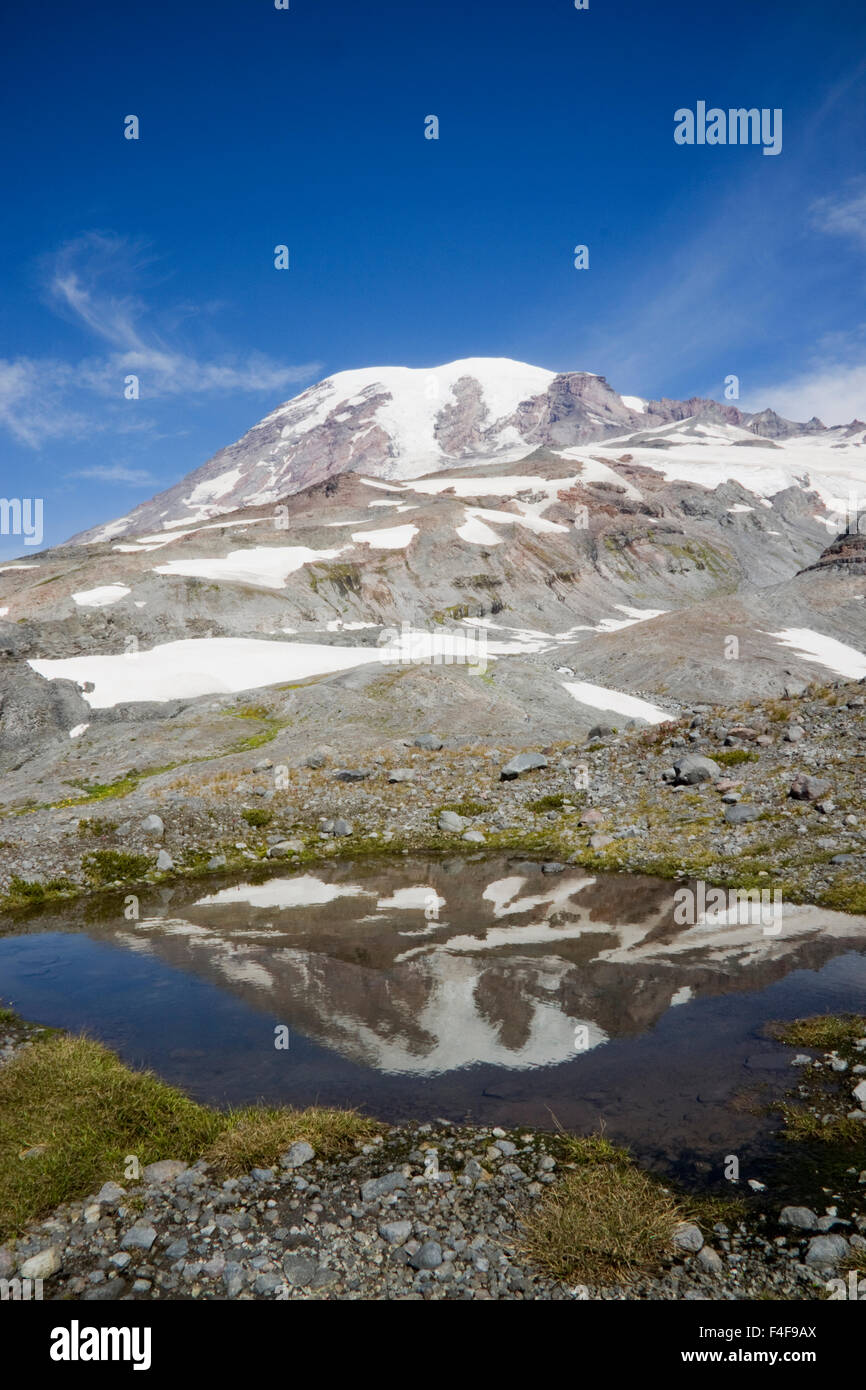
(400, 423)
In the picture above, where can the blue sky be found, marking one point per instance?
(306, 127)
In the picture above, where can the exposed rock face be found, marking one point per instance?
(34, 710)
(577, 407)
(847, 553)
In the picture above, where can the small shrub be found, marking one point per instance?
(547, 803)
(110, 865)
(733, 757)
(95, 825)
(465, 808)
(35, 890)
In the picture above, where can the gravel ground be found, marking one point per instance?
(613, 802)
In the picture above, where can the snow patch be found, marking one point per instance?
(102, 597)
(599, 697)
(266, 566)
(825, 651)
(389, 538)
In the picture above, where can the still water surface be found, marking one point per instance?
(479, 989)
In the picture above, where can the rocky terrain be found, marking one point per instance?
(765, 794)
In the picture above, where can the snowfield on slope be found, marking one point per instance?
(830, 465)
(267, 566)
(599, 697)
(101, 597)
(835, 656)
(213, 665)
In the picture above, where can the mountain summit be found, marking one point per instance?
(398, 423)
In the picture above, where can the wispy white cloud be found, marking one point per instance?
(36, 400)
(842, 214)
(90, 282)
(833, 391)
(117, 473)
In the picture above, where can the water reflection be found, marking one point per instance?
(476, 988)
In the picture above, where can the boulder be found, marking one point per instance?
(688, 1237)
(43, 1265)
(801, 1218)
(693, 768)
(165, 1170)
(807, 788)
(825, 1252)
(523, 762)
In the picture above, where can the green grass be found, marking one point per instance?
(465, 808)
(255, 1137)
(802, 1126)
(605, 1220)
(106, 791)
(823, 1032)
(249, 712)
(846, 896)
(705, 1211)
(733, 757)
(76, 1098)
(22, 890)
(257, 817)
(547, 803)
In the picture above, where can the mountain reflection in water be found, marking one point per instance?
(478, 987)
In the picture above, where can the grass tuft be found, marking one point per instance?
(255, 1137)
(733, 757)
(605, 1220)
(823, 1032)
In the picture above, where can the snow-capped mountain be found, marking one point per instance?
(605, 548)
(399, 423)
